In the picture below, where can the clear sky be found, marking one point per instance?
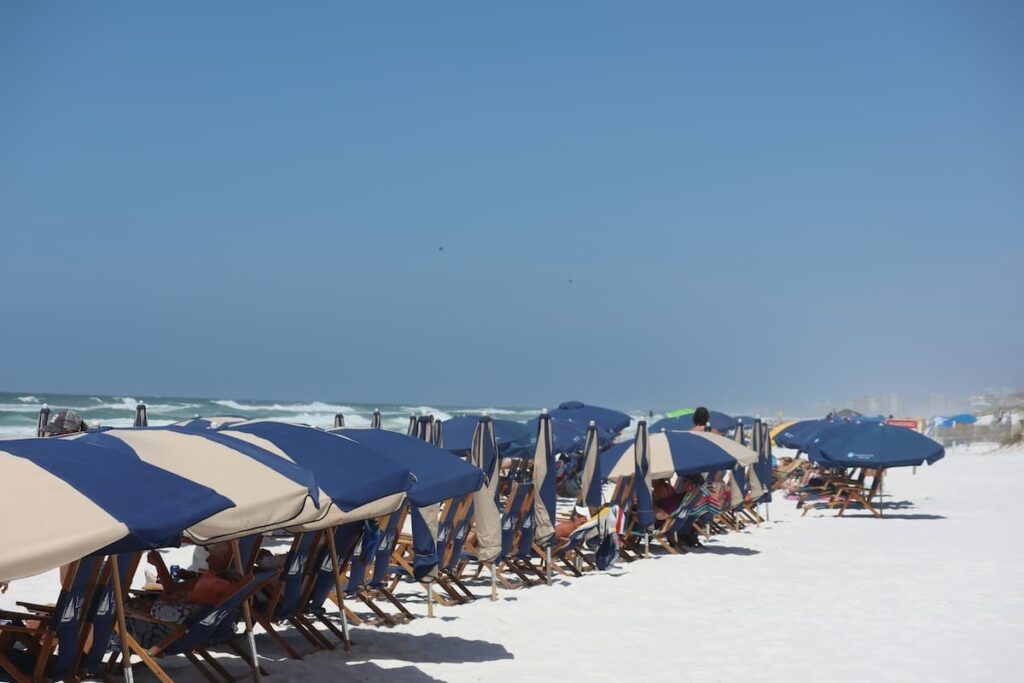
(639, 204)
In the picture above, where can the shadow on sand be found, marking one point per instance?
(727, 550)
(429, 648)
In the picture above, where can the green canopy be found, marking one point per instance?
(680, 412)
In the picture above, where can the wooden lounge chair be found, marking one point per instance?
(46, 641)
(207, 627)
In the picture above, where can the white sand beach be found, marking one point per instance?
(932, 592)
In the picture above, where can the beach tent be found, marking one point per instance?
(486, 517)
(439, 476)
(544, 500)
(268, 491)
(359, 481)
(612, 421)
(677, 421)
(962, 419)
(875, 446)
(460, 432)
(65, 499)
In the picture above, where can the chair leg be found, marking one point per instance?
(215, 665)
(201, 668)
(279, 639)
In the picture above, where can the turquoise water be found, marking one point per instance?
(19, 411)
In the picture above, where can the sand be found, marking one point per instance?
(932, 592)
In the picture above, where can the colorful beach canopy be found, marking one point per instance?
(360, 482)
(676, 453)
(613, 421)
(65, 499)
(268, 491)
(875, 446)
(511, 437)
(962, 419)
(678, 421)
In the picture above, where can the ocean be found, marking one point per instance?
(19, 411)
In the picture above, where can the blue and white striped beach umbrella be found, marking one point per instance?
(359, 481)
(439, 476)
(64, 499)
(268, 491)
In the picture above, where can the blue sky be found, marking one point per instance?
(757, 204)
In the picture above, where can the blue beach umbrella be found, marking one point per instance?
(875, 446)
(91, 501)
(612, 421)
(439, 476)
(509, 436)
(361, 482)
(799, 434)
(569, 437)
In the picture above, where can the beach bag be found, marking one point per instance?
(606, 552)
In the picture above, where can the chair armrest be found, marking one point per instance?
(36, 607)
(4, 614)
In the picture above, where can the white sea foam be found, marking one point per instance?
(438, 414)
(18, 408)
(28, 399)
(314, 407)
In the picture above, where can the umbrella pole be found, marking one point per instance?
(647, 544)
(336, 568)
(126, 653)
(494, 584)
(430, 600)
(247, 614)
(547, 563)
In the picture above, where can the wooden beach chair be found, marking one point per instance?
(45, 642)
